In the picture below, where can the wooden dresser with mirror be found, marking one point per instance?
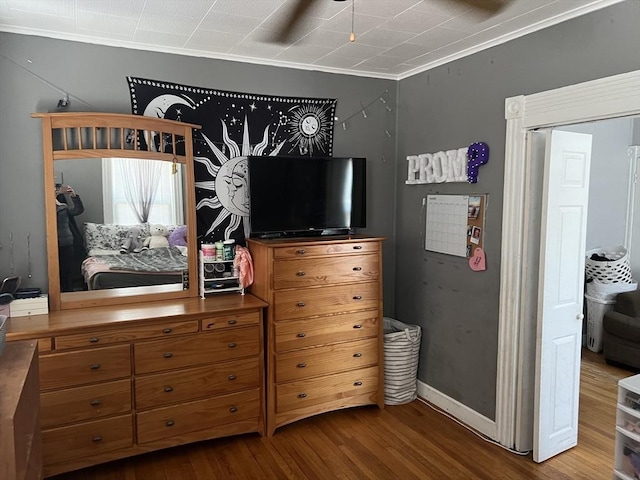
(136, 367)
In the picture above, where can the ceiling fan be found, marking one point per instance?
(302, 8)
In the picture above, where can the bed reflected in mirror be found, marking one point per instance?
(121, 224)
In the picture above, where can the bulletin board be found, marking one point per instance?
(455, 224)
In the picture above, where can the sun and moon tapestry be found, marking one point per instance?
(234, 126)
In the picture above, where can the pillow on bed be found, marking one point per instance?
(178, 237)
(101, 237)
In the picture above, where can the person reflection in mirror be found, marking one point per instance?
(68, 206)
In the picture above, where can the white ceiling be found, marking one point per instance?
(394, 38)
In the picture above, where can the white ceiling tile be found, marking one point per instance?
(417, 34)
(437, 37)
(380, 62)
(405, 51)
(160, 38)
(251, 8)
(187, 8)
(226, 22)
(305, 54)
(59, 8)
(212, 41)
(379, 37)
(176, 24)
(415, 21)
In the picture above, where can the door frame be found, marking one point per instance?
(605, 98)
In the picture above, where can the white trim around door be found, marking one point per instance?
(610, 97)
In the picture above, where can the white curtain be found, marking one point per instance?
(140, 183)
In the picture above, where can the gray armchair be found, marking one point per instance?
(621, 331)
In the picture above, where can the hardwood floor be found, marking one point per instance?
(411, 441)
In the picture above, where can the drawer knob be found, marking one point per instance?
(233, 409)
(94, 403)
(170, 423)
(357, 247)
(301, 335)
(357, 384)
(210, 325)
(94, 340)
(232, 377)
(232, 345)
(95, 366)
(166, 330)
(301, 365)
(300, 274)
(301, 304)
(357, 297)
(96, 439)
(357, 326)
(302, 395)
(167, 355)
(357, 355)
(357, 269)
(301, 252)
(233, 322)
(168, 389)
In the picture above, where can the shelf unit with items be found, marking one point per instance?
(217, 276)
(627, 452)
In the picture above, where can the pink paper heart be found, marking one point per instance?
(478, 262)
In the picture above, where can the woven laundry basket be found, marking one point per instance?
(401, 357)
(616, 270)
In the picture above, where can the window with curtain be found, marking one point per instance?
(141, 191)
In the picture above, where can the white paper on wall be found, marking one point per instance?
(446, 225)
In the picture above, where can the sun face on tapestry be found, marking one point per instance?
(234, 126)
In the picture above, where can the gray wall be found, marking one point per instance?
(32, 67)
(450, 107)
(608, 182)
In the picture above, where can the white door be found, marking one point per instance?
(560, 292)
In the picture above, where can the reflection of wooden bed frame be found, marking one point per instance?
(166, 266)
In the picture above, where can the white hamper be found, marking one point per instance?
(401, 357)
(596, 308)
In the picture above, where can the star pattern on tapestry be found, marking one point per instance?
(235, 125)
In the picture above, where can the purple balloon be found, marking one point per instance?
(477, 154)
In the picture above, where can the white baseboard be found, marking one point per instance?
(459, 411)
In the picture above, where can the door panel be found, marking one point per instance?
(560, 292)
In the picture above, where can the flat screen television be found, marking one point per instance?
(299, 196)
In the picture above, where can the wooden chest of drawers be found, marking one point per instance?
(324, 324)
(119, 382)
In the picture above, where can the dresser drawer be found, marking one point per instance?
(231, 320)
(188, 384)
(106, 337)
(324, 249)
(306, 272)
(85, 403)
(307, 332)
(200, 415)
(316, 391)
(199, 349)
(326, 300)
(88, 366)
(312, 362)
(86, 439)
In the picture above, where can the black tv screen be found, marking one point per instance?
(306, 195)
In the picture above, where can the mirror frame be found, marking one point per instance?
(91, 142)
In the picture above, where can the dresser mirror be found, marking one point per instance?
(116, 177)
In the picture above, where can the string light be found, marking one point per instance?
(344, 126)
(363, 108)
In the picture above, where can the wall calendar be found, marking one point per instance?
(455, 224)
